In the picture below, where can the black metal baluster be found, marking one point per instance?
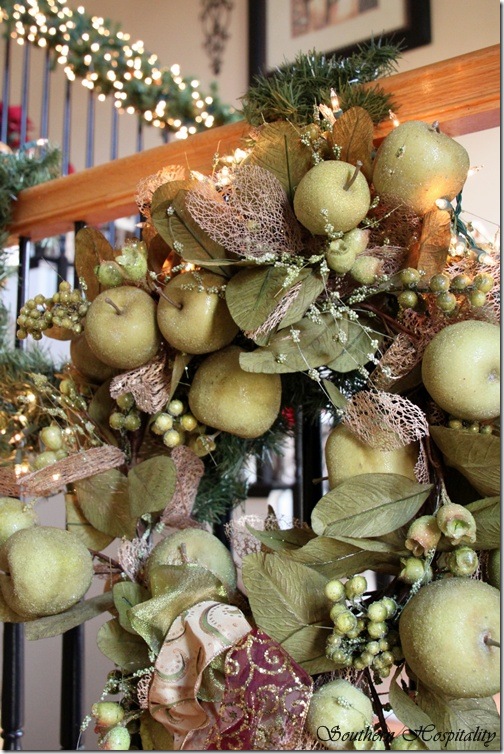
(72, 688)
(46, 89)
(308, 459)
(6, 92)
(23, 280)
(23, 138)
(139, 134)
(67, 117)
(13, 686)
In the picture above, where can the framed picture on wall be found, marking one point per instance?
(280, 29)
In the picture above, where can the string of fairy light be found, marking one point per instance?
(104, 58)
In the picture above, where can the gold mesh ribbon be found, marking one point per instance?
(196, 637)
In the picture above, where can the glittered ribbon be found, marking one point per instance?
(265, 701)
(196, 637)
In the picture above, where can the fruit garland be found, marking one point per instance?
(310, 263)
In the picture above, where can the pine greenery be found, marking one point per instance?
(293, 90)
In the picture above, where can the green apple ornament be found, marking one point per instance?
(339, 713)
(225, 397)
(14, 516)
(448, 632)
(192, 314)
(333, 193)
(461, 370)
(416, 164)
(46, 571)
(121, 328)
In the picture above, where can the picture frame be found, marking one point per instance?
(273, 38)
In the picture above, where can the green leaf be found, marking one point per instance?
(335, 560)
(151, 485)
(336, 396)
(372, 545)
(53, 625)
(104, 502)
(253, 293)
(305, 345)
(175, 225)
(126, 595)
(91, 248)
(307, 646)
(282, 539)
(477, 457)
(286, 598)
(368, 505)
(77, 523)
(357, 347)
(100, 407)
(311, 288)
(487, 515)
(180, 362)
(154, 736)
(278, 148)
(408, 712)
(469, 718)
(175, 589)
(127, 651)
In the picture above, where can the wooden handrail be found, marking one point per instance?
(462, 93)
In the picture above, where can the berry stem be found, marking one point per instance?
(353, 177)
(114, 305)
(377, 706)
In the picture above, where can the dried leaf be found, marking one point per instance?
(127, 651)
(410, 713)
(477, 457)
(354, 132)
(54, 625)
(104, 501)
(287, 599)
(282, 539)
(429, 254)
(279, 150)
(463, 724)
(487, 515)
(151, 485)
(368, 505)
(336, 559)
(335, 395)
(179, 364)
(91, 248)
(77, 523)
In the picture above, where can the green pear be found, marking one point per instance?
(46, 571)
(195, 546)
(346, 456)
(225, 397)
(446, 630)
(416, 164)
(461, 369)
(14, 515)
(332, 193)
(121, 328)
(192, 313)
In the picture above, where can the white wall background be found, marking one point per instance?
(171, 29)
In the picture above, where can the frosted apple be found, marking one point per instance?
(225, 397)
(445, 630)
(14, 515)
(461, 370)
(192, 313)
(416, 164)
(332, 193)
(346, 456)
(195, 546)
(121, 328)
(46, 571)
(337, 710)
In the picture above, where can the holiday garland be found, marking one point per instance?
(311, 271)
(100, 54)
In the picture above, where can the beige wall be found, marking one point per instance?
(171, 29)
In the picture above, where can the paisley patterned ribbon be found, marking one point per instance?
(196, 637)
(265, 701)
